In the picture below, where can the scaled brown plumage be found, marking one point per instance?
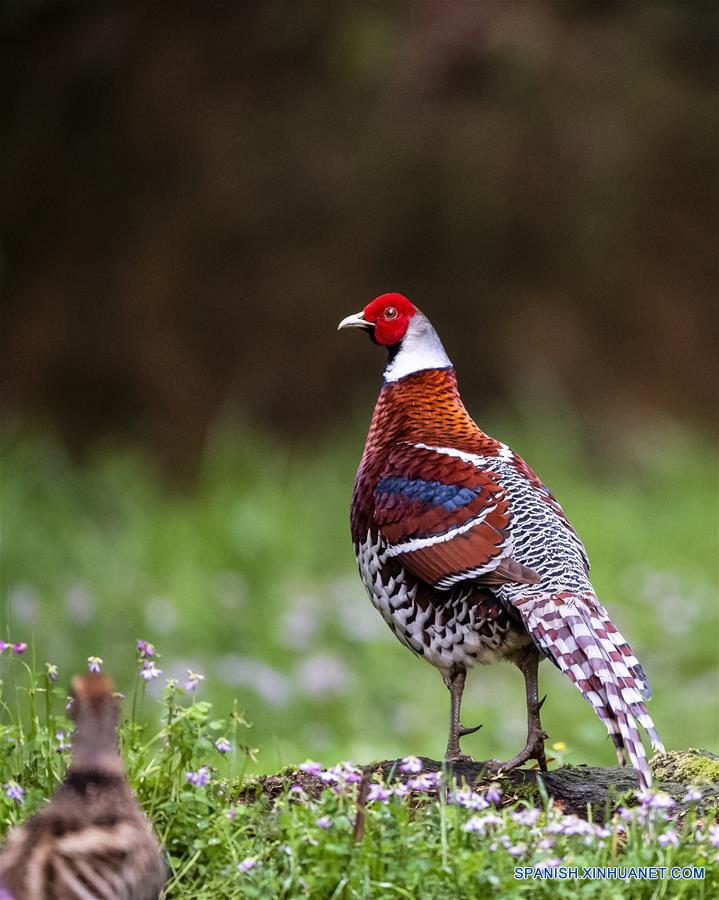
(91, 840)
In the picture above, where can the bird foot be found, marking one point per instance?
(454, 754)
(459, 758)
(534, 749)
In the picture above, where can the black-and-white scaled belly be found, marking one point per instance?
(446, 628)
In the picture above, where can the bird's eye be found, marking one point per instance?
(390, 313)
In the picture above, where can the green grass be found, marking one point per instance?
(221, 843)
(250, 579)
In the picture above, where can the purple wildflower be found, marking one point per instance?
(4, 645)
(223, 745)
(94, 663)
(52, 671)
(199, 778)
(544, 864)
(692, 795)
(145, 649)
(323, 822)
(311, 768)
(149, 670)
(474, 823)
(714, 835)
(349, 773)
(494, 794)
(20, 647)
(400, 790)
(379, 793)
(13, 791)
(193, 679)
(626, 815)
(231, 814)
(469, 799)
(247, 864)
(423, 782)
(62, 744)
(545, 844)
(517, 850)
(525, 816)
(569, 825)
(411, 764)
(651, 800)
(342, 774)
(481, 823)
(669, 839)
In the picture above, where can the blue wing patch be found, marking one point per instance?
(450, 496)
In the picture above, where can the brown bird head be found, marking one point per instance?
(92, 691)
(94, 699)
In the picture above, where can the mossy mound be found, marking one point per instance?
(573, 789)
(687, 767)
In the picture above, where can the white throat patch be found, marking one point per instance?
(421, 349)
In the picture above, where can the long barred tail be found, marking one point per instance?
(576, 633)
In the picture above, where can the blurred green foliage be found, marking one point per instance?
(226, 835)
(250, 579)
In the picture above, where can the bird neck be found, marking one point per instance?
(419, 350)
(95, 743)
(422, 407)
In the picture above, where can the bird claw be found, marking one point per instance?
(460, 758)
(494, 765)
(533, 750)
(465, 731)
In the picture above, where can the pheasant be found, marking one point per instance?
(92, 840)
(468, 556)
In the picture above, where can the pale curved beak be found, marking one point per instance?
(356, 321)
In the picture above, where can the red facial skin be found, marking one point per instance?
(389, 329)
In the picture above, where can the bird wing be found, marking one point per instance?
(548, 497)
(446, 520)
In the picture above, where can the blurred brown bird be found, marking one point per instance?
(91, 841)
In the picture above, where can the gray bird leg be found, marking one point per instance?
(455, 683)
(528, 664)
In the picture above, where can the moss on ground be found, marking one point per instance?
(687, 767)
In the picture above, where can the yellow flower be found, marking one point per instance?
(559, 746)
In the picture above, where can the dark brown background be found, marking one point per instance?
(193, 195)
